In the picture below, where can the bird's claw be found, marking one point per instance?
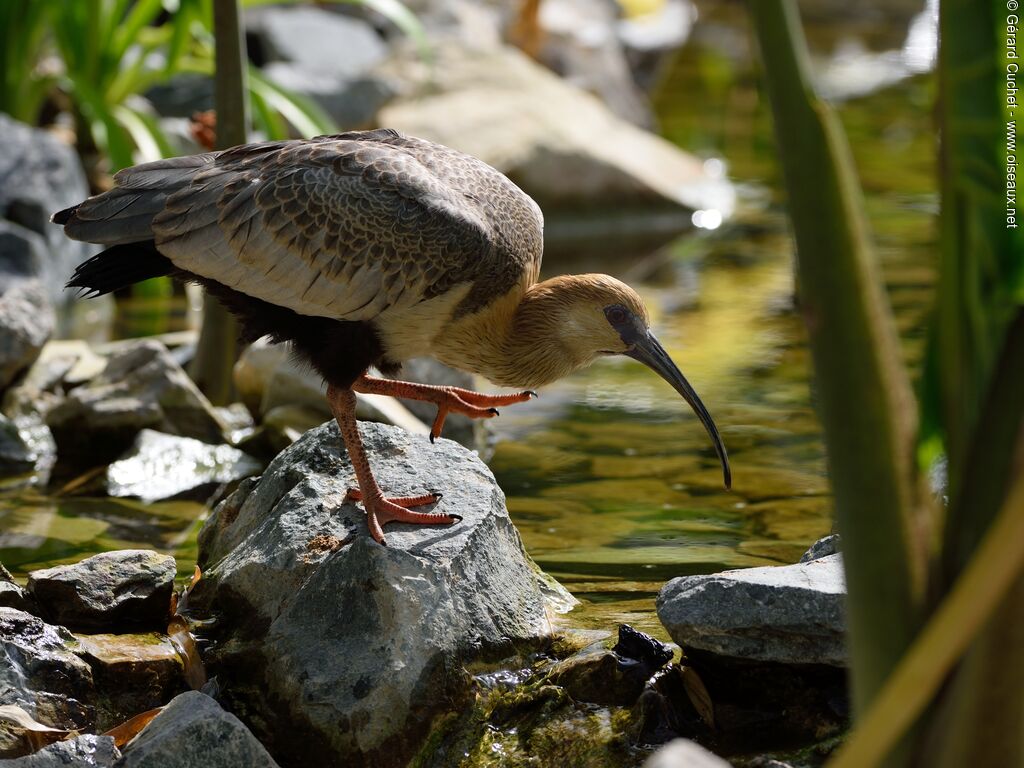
(381, 510)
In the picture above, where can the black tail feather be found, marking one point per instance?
(63, 217)
(118, 267)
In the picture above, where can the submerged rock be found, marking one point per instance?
(129, 588)
(791, 613)
(41, 675)
(85, 751)
(160, 466)
(337, 650)
(193, 730)
(26, 322)
(141, 387)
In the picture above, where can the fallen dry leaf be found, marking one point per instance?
(130, 728)
(698, 695)
(34, 735)
(185, 644)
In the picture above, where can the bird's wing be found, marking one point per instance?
(337, 228)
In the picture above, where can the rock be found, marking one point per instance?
(790, 613)
(26, 445)
(683, 753)
(182, 95)
(13, 595)
(85, 751)
(26, 322)
(132, 674)
(285, 560)
(324, 56)
(141, 387)
(592, 173)
(39, 175)
(160, 466)
(129, 588)
(822, 548)
(194, 730)
(41, 675)
(615, 677)
(316, 39)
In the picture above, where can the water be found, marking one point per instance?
(609, 477)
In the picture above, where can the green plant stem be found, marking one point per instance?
(994, 570)
(866, 403)
(218, 339)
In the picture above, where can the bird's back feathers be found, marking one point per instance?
(344, 227)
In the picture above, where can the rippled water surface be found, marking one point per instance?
(609, 477)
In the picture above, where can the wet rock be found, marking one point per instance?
(285, 560)
(26, 322)
(39, 175)
(85, 751)
(615, 677)
(639, 646)
(790, 613)
(40, 674)
(26, 445)
(141, 387)
(129, 588)
(160, 466)
(824, 547)
(194, 730)
(683, 753)
(560, 144)
(132, 673)
(13, 595)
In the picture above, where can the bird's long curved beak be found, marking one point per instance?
(648, 350)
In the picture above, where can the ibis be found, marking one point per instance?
(365, 249)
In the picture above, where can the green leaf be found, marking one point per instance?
(307, 118)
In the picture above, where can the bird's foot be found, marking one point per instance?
(475, 405)
(381, 510)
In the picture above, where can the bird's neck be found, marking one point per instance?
(522, 340)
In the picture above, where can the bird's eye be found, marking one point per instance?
(616, 315)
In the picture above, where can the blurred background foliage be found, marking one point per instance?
(97, 59)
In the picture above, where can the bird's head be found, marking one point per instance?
(597, 315)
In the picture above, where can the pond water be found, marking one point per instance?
(610, 479)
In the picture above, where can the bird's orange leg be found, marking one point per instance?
(379, 510)
(476, 405)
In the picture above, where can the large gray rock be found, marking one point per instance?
(789, 613)
(339, 651)
(129, 588)
(160, 466)
(85, 751)
(26, 322)
(141, 387)
(39, 175)
(582, 163)
(191, 731)
(40, 674)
